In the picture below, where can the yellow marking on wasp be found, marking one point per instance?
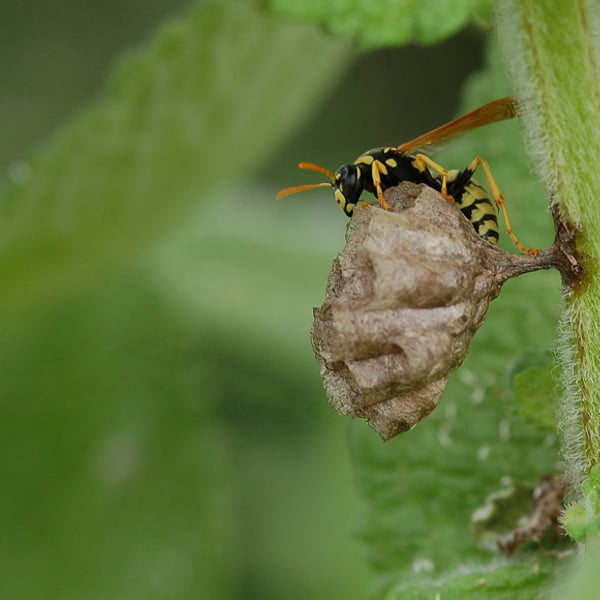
(365, 159)
(474, 195)
(479, 212)
(484, 229)
(391, 162)
(499, 201)
(474, 188)
(376, 176)
(422, 161)
(452, 174)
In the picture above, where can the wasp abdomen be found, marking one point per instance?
(475, 204)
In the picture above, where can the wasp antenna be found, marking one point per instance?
(318, 168)
(300, 188)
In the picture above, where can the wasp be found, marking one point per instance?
(377, 170)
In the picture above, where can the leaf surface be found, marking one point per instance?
(389, 22)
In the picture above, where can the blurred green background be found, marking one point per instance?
(164, 432)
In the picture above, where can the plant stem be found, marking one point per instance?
(553, 54)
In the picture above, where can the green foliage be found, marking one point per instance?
(583, 580)
(552, 47)
(135, 458)
(164, 432)
(171, 126)
(537, 388)
(387, 23)
(582, 520)
(500, 582)
(115, 492)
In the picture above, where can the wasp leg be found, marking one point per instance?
(376, 169)
(499, 201)
(422, 161)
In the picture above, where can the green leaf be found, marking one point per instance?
(120, 481)
(219, 268)
(203, 104)
(117, 477)
(537, 388)
(498, 582)
(225, 380)
(582, 520)
(388, 23)
(248, 285)
(583, 580)
(424, 488)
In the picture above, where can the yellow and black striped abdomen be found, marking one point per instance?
(475, 204)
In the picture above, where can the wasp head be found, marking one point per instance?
(346, 184)
(347, 187)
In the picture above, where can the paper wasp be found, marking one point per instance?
(382, 168)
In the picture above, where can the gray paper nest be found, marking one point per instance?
(403, 300)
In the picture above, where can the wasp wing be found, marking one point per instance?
(498, 110)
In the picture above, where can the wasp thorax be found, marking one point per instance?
(403, 300)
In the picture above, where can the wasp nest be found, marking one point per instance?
(403, 300)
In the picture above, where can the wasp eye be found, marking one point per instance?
(346, 179)
(345, 171)
(348, 183)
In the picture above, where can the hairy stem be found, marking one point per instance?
(553, 53)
